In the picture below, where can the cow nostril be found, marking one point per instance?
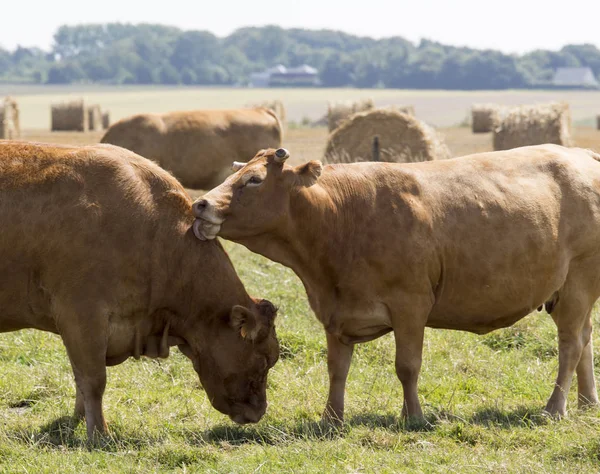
(199, 206)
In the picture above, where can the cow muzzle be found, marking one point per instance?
(249, 415)
(207, 223)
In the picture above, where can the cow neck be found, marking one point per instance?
(193, 279)
(312, 241)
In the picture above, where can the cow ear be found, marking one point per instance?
(308, 173)
(244, 321)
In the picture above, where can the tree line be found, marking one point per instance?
(118, 53)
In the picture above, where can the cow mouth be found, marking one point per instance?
(205, 229)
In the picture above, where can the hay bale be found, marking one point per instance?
(483, 117)
(394, 136)
(274, 105)
(105, 120)
(533, 125)
(10, 128)
(598, 122)
(94, 117)
(69, 116)
(337, 112)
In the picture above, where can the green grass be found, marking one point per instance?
(441, 108)
(482, 397)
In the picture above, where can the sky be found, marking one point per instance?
(512, 26)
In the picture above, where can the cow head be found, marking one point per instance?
(255, 199)
(232, 359)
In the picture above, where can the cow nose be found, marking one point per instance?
(199, 206)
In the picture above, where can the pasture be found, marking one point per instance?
(482, 395)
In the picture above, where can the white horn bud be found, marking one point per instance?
(281, 155)
(237, 165)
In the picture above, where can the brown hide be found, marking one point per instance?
(473, 243)
(197, 146)
(95, 246)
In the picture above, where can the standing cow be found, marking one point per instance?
(96, 247)
(474, 243)
(197, 146)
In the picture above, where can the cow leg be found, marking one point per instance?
(409, 353)
(339, 357)
(409, 316)
(586, 384)
(86, 342)
(571, 316)
(79, 403)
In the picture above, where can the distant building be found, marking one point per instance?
(281, 76)
(574, 77)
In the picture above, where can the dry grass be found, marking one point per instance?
(402, 139)
(533, 125)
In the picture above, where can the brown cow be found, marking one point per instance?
(96, 247)
(474, 244)
(197, 146)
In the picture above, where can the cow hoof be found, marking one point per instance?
(331, 421)
(554, 412)
(587, 404)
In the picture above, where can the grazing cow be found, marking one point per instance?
(96, 247)
(197, 146)
(474, 244)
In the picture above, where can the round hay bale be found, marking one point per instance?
(483, 117)
(337, 112)
(534, 125)
(69, 116)
(394, 136)
(9, 119)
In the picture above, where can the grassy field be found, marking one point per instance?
(482, 395)
(440, 108)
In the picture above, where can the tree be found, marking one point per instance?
(337, 71)
(65, 74)
(168, 75)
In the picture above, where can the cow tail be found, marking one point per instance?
(276, 117)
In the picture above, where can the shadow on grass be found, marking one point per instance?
(393, 423)
(58, 433)
(522, 417)
(225, 435)
(63, 433)
(270, 434)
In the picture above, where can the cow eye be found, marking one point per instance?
(254, 181)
